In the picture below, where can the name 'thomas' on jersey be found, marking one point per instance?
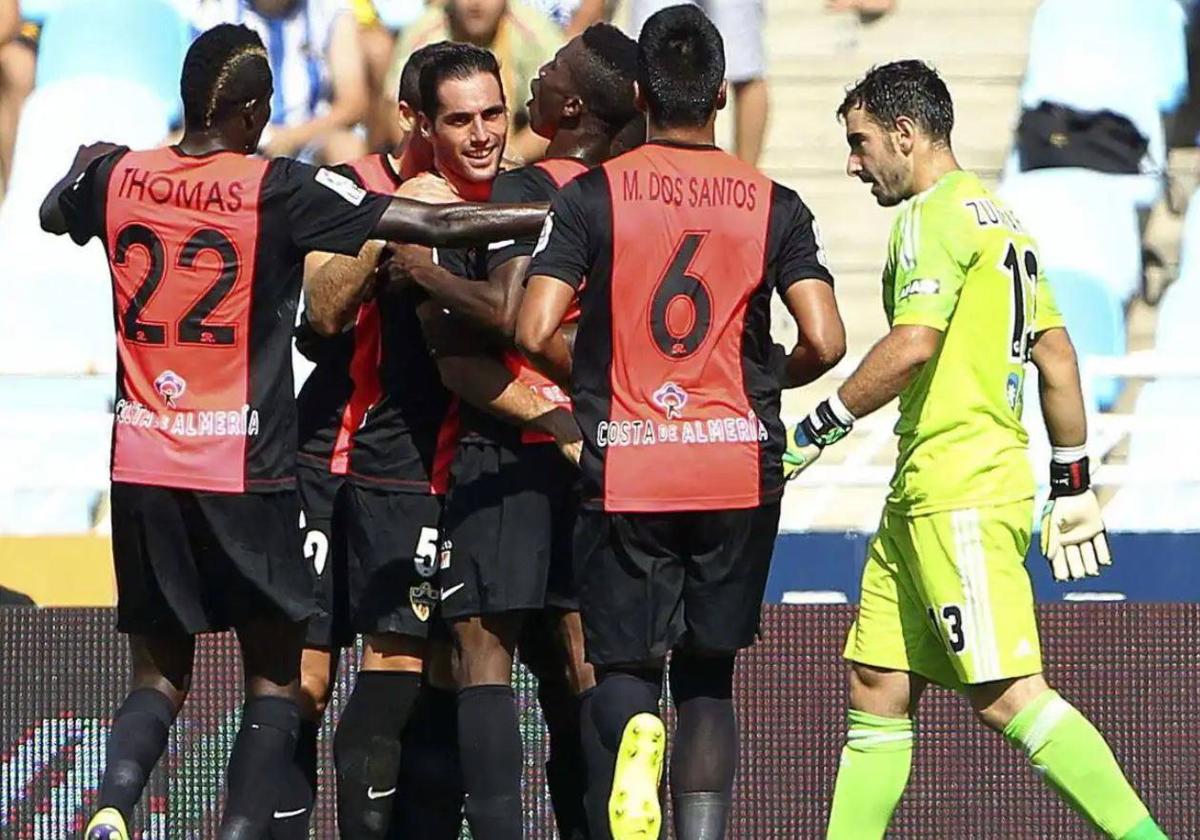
(206, 256)
(682, 248)
(960, 261)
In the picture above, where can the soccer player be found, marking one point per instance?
(945, 595)
(205, 246)
(357, 425)
(496, 592)
(676, 387)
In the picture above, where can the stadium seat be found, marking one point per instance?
(1083, 221)
(55, 431)
(1096, 322)
(79, 37)
(1168, 410)
(1176, 333)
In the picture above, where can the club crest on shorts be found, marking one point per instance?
(422, 598)
(170, 386)
(671, 399)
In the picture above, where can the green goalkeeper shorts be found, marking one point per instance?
(946, 596)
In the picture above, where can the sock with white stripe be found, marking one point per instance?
(871, 777)
(1079, 765)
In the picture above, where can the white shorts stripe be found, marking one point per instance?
(970, 560)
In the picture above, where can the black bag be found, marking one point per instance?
(1051, 136)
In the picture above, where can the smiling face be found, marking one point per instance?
(554, 92)
(877, 158)
(469, 131)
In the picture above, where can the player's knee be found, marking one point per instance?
(483, 651)
(315, 689)
(880, 691)
(393, 652)
(997, 703)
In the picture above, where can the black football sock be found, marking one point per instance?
(617, 697)
(429, 803)
(489, 743)
(137, 740)
(704, 759)
(366, 751)
(262, 752)
(566, 770)
(298, 788)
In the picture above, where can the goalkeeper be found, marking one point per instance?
(945, 594)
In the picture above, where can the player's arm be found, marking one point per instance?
(491, 304)
(51, 213)
(564, 253)
(470, 369)
(539, 327)
(457, 225)
(797, 268)
(1073, 535)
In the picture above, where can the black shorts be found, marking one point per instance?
(507, 532)
(653, 582)
(391, 559)
(195, 562)
(323, 545)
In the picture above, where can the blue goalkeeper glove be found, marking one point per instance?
(828, 423)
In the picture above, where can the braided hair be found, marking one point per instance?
(225, 68)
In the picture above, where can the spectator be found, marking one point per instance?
(18, 49)
(320, 80)
(740, 23)
(522, 38)
(574, 16)
(379, 21)
(866, 9)
(1102, 76)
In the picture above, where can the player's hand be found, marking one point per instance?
(810, 436)
(399, 262)
(1073, 535)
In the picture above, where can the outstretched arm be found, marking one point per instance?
(457, 225)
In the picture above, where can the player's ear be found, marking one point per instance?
(639, 98)
(722, 95)
(425, 125)
(906, 134)
(406, 117)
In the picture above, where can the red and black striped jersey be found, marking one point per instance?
(682, 248)
(374, 409)
(206, 255)
(537, 182)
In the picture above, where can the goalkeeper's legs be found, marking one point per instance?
(1069, 751)
(878, 753)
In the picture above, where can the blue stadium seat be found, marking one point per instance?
(143, 41)
(1096, 321)
(56, 432)
(1160, 455)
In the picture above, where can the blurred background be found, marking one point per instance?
(1081, 111)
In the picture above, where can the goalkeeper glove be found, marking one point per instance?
(1073, 535)
(828, 423)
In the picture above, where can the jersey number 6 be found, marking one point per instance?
(191, 328)
(681, 309)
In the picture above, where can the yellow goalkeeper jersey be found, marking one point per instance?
(959, 261)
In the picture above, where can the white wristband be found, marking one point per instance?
(840, 411)
(1068, 454)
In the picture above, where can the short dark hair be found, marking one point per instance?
(454, 61)
(605, 78)
(681, 64)
(410, 76)
(224, 68)
(909, 88)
